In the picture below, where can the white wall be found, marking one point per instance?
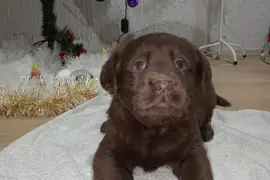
(249, 20)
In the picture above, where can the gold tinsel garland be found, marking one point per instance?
(47, 102)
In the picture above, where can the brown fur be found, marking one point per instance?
(144, 131)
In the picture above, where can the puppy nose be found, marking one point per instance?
(164, 85)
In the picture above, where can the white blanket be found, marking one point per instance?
(63, 148)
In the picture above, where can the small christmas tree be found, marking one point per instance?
(51, 33)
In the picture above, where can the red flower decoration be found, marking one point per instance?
(35, 74)
(62, 55)
(81, 51)
(70, 36)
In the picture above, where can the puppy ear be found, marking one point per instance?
(203, 72)
(112, 66)
(108, 73)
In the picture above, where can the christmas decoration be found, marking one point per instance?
(65, 38)
(48, 29)
(103, 51)
(81, 75)
(70, 36)
(62, 74)
(132, 3)
(34, 86)
(35, 73)
(63, 55)
(81, 51)
(34, 103)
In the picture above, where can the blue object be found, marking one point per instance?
(132, 3)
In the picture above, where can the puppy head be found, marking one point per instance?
(155, 76)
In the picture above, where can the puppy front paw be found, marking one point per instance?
(103, 127)
(207, 132)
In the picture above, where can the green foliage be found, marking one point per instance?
(52, 34)
(67, 44)
(49, 30)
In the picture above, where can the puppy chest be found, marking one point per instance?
(159, 156)
(153, 155)
(151, 150)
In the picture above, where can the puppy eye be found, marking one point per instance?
(179, 64)
(140, 65)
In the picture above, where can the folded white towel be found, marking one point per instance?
(63, 148)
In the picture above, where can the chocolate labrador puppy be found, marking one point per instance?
(162, 103)
(207, 131)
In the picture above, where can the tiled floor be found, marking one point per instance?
(13, 128)
(246, 85)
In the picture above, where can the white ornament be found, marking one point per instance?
(64, 73)
(81, 73)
